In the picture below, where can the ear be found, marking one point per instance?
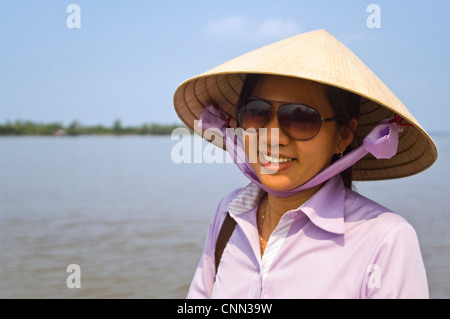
(347, 133)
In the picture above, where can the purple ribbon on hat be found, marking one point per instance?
(381, 142)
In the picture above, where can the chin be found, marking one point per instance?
(278, 183)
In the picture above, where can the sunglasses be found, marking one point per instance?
(298, 121)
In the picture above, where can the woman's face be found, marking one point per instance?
(303, 159)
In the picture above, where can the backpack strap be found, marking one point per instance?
(228, 226)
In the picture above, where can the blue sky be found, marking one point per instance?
(128, 57)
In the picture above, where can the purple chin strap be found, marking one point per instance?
(381, 142)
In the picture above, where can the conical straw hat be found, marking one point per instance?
(319, 57)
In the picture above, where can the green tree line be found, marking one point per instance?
(75, 128)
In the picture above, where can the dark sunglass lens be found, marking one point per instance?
(254, 114)
(300, 121)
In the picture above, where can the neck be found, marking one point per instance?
(277, 206)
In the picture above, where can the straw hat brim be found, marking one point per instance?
(315, 56)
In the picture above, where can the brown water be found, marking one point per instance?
(135, 222)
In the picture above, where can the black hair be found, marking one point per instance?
(344, 103)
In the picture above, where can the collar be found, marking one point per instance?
(325, 209)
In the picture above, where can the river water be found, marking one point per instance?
(135, 221)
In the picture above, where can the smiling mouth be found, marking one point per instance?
(276, 159)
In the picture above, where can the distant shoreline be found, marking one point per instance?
(29, 128)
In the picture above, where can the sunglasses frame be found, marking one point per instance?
(269, 102)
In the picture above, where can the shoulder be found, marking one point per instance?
(388, 250)
(222, 210)
(227, 199)
(365, 213)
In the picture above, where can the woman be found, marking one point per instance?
(298, 230)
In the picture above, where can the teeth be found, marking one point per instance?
(276, 160)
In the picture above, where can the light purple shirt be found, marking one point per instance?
(338, 244)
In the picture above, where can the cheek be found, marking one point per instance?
(316, 155)
(318, 151)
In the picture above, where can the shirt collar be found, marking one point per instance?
(325, 209)
(246, 200)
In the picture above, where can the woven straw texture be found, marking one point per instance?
(319, 57)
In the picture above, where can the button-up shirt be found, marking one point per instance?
(338, 244)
